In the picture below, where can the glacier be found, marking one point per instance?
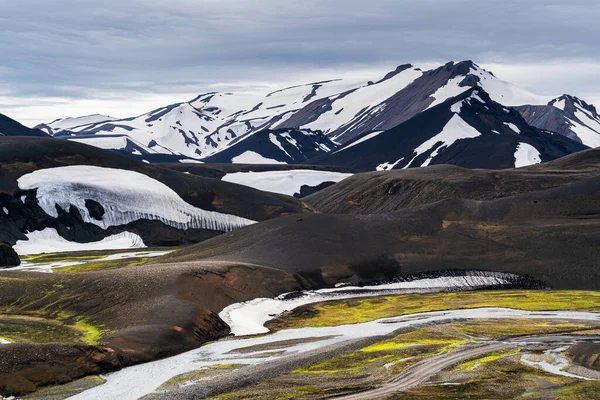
(126, 196)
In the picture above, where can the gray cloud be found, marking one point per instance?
(80, 49)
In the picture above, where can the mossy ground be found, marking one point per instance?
(35, 329)
(498, 375)
(369, 309)
(92, 261)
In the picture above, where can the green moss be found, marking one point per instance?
(479, 362)
(62, 329)
(392, 345)
(91, 334)
(103, 265)
(369, 309)
(226, 366)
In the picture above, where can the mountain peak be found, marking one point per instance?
(399, 69)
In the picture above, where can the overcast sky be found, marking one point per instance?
(123, 57)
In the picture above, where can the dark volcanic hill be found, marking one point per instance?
(550, 235)
(87, 194)
(10, 127)
(470, 130)
(287, 146)
(380, 192)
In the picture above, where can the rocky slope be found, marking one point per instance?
(567, 115)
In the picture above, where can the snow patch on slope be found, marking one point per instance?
(49, 241)
(126, 196)
(73, 123)
(388, 166)
(252, 157)
(345, 109)
(455, 129)
(526, 155)
(513, 127)
(284, 182)
(362, 139)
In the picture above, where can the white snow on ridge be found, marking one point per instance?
(49, 241)
(513, 127)
(560, 104)
(500, 91)
(347, 108)
(450, 89)
(362, 139)
(252, 157)
(126, 196)
(506, 93)
(388, 166)
(75, 123)
(526, 155)
(456, 129)
(110, 142)
(284, 182)
(274, 140)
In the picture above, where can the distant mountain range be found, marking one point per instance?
(401, 120)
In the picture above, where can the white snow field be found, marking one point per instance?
(284, 182)
(526, 155)
(137, 381)
(73, 124)
(126, 196)
(49, 241)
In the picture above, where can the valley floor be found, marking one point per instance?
(493, 345)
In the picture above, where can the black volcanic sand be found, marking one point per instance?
(547, 229)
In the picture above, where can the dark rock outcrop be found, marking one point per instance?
(586, 354)
(25, 367)
(8, 256)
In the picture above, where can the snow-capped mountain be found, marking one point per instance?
(470, 130)
(72, 124)
(10, 127)
(280, 146)
(343, 110)
(567, 115)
